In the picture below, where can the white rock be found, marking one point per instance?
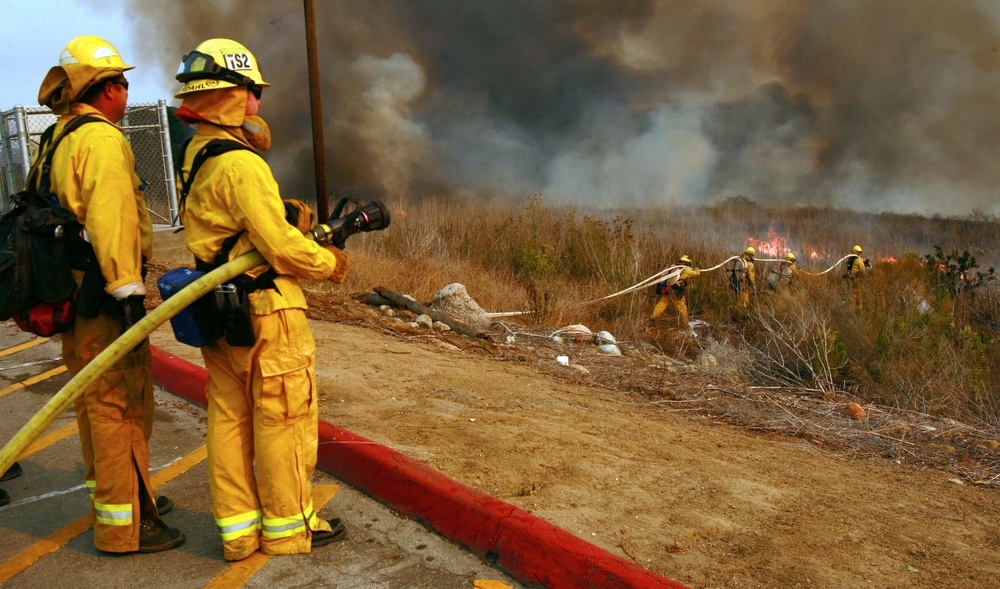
(610, 349)
(439, 326)
(603, 337)
(425, 320)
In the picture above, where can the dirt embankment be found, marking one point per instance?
(649, 475)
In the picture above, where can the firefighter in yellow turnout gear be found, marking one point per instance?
(262, 399)
(673, 295)
(93, 175)
(855, 271)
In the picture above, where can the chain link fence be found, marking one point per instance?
(147, 128)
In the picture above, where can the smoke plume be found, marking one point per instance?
(885, 105)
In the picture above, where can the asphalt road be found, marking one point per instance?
(46, 539)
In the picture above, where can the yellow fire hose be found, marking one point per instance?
(131, 338)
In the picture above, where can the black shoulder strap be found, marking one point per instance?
(43, 164)
(211, 149)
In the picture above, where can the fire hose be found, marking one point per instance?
(667, 274)
(373, 216)
(72, 390)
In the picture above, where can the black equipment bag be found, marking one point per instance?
(40, 244)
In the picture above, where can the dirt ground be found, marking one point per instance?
(670, 481)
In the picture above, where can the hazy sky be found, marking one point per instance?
(868, 104)
(34, 33)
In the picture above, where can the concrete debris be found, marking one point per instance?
(454, 300)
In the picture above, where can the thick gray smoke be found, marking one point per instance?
(886, 104)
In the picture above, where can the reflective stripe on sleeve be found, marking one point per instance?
(91, 485)
(238, 526)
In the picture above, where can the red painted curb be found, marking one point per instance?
(528, 548)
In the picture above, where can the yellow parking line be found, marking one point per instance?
(34, 379)
(45, 441)
(240, 572)
(49, 545)
(55, 541)
(23, 346)
(181, 466)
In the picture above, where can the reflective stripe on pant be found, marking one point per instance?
(237, 526)
(262, 412)
(115, 418)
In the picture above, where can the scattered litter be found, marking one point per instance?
(564, 360)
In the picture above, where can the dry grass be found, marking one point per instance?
(906, 349)
(913, 347)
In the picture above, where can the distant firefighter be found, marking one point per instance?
(855, 270)
(673, 294)
(742, 277)
(786, 275)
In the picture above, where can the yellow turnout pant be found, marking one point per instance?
(262, 437)
(668, 300)
(115, 418)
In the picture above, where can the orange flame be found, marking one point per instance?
(773, 247)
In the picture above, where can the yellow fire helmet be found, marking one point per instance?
(685, 260)
(220, 63)
(84, 61)
(790, 257)
(856, 249)
(750, 251)
(93, 51)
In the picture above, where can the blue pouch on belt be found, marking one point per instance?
(199, 323)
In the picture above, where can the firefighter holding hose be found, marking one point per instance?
(673, 294)
(262, 398)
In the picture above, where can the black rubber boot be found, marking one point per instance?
(154, 536)
(323, 538)
(163, 504)
(4, 498)
(12, 472)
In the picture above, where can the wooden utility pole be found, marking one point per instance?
(316, 107)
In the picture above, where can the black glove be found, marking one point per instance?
(133, 310)
(349, 227)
